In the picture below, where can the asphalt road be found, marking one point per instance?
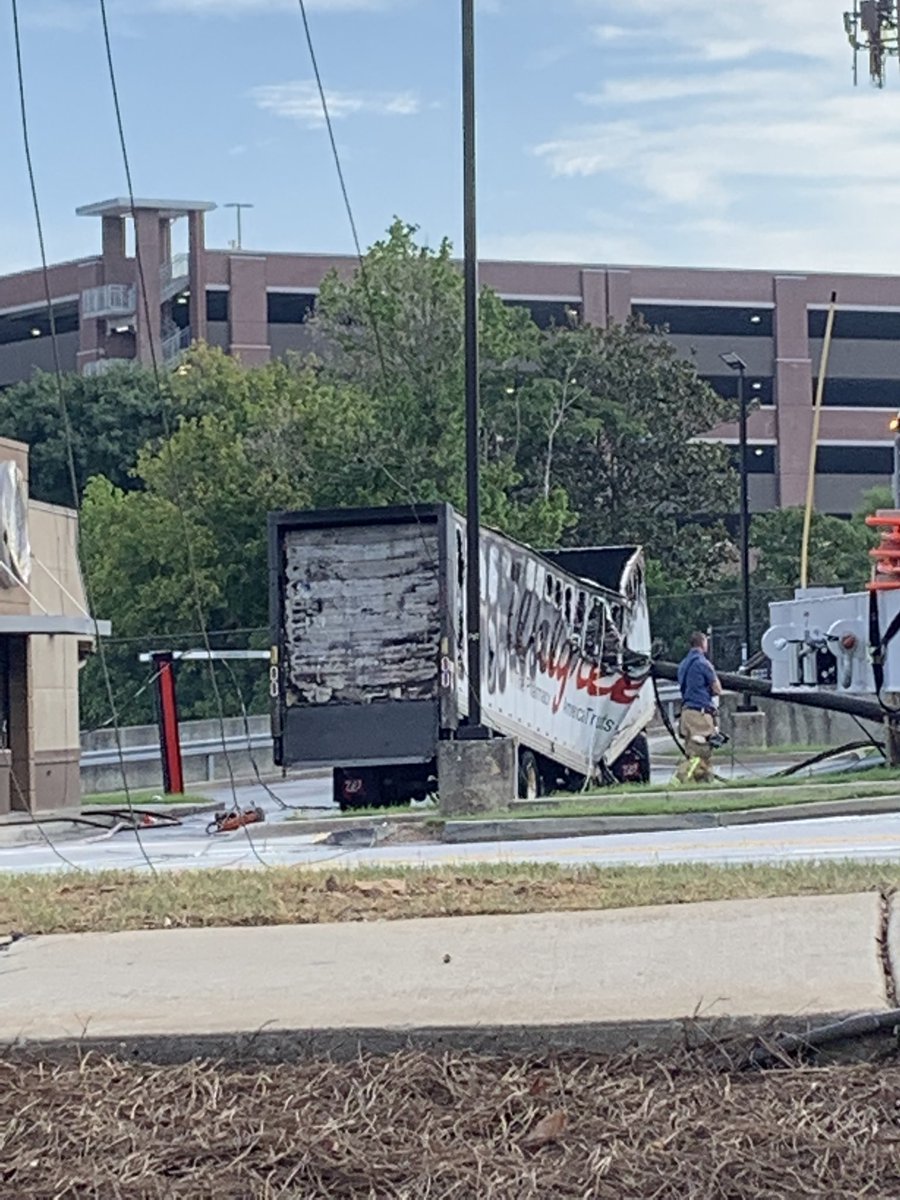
(873, 838)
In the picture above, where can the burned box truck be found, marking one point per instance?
(369, 652)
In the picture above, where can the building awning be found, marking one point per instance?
(52, 624)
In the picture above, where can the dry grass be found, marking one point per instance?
(112, 901)
(417, 1126)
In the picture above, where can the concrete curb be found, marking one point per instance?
(343, 825)
(861, 790)
(29, 834)
(518, 829)
(295, 1045)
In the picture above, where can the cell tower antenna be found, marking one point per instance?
(873, 28)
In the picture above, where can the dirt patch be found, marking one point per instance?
(417, 1125)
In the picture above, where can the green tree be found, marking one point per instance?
(187, 549)
(282, 437)
(588, 436)
(610, 417)
(880, 496)
(395, 332)
(135, 553)
(111, 417)
(838, 548)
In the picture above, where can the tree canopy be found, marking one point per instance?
(111, 417)
(589, 436)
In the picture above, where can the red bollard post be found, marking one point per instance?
(169, 741)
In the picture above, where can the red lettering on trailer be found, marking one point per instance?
(618, 688)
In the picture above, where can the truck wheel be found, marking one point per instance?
(633, 764)
(531, 785)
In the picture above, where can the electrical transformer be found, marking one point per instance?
(828, 640)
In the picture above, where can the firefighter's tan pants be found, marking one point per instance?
(695, 727)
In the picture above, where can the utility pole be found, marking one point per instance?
(745, 518)
(473, 728)
(238, 207)
(736, 363)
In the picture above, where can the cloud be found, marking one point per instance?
(728, 30)
(740, 141)
(799, 244)
(781, 128)
(653, 89)
(300, 101)
(612, 33)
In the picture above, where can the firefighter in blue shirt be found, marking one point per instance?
(700, 690)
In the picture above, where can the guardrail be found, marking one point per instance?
(175, 344)
(109, 757)
(173, 275)
(109, 300)
(205, 758)
(205, 761)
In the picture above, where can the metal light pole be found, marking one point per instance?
(736, 363)
(473, 502)
(238, 208)
(895, 478)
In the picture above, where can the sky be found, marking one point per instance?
(721, 133)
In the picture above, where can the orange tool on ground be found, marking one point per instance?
(228, 822)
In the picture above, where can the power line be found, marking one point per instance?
(25, 802)
(148, 683)
(354, 230)
(338, 166)
(167, 429)
(64, 412)
(185, 636)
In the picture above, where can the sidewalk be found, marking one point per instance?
(597, 979)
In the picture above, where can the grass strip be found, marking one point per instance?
(110, 901)
(141, 798)
(711, 801)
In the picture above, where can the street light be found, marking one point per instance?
(238, 207)
(735, 363)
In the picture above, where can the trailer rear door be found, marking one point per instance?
(357, 616)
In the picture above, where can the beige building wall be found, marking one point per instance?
(46, 631)
(57, 586)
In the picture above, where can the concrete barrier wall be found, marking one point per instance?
(203, 757)
(795, 725)
(204, 760)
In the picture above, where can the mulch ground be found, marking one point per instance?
(423, 1126)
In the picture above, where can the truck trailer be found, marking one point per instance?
(369, 652)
